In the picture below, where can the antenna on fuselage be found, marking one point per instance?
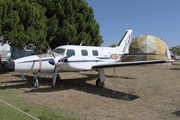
(81, 43)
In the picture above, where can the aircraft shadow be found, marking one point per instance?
(174, 68)
(176, 113)
(65, 84)
(110, 76)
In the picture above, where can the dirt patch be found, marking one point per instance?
(139, 93)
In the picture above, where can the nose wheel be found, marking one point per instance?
(36, 83)
(99, 83)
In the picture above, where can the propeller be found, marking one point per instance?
(57, 62)
(51, 51)
(55, 69)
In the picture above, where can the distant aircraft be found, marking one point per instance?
(8, 52)
(70, 58)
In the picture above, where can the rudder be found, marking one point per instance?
(125, 42)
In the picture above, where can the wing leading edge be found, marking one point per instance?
(129, 63)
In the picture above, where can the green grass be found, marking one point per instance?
(178, 60)
(8, 113)
(175, 64)
(15, 98)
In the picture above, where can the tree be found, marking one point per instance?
(23, 23)
(76, 22)
(176, 50)
(58, 22)
(113, 45)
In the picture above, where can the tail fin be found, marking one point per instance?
(125, 42)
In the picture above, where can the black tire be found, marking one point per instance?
(36, 85)
(99, 83)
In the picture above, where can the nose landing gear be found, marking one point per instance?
(36, 83)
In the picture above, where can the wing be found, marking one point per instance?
(106, 65)
(139, 54)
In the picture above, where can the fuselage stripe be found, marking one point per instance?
(74, 61)
(40, 63)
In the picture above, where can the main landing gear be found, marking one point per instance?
(101, 79)
(99, 83)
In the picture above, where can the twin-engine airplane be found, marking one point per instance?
(70, 58)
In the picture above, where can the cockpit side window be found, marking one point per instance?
(59, 51)
(95, 52)
(70, 52)
(84, 52)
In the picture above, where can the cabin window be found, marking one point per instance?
(59, 51)
(84, 52)
(95, 53)
(70, 52)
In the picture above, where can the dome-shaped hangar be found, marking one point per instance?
(148, 44)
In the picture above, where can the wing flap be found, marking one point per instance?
(128, 63)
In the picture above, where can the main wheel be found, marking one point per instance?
(36, 84)
(99, 83)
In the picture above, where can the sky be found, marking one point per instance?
(160, 18)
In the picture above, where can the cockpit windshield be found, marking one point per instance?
(59, 51)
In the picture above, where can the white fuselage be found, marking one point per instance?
(70, 58)
(83, 58)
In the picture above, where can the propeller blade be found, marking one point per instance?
(51, 51)
(56, 62)
(49, 47)
(63, 59)
(55, 75)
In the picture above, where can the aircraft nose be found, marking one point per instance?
(10, 66)
(52, 61)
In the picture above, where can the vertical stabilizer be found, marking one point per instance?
(125, 42)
